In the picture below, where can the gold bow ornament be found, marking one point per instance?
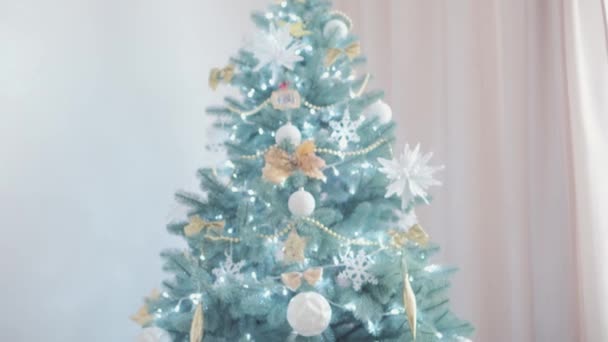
(297, 29)
(351, 51)
(143, 316)
(217, 75)
(280, 165)
(197, 224)
(415, 234)
(293, 280)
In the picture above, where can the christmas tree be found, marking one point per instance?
(308, 232)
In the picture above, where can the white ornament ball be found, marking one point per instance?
(380, 110)
(309, 314)
(154, 334)
(301, 203)
(288, 133)
(335, 28)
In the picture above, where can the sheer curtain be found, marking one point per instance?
(512, 96)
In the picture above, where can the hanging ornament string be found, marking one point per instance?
(330, 232)
(308, 220)
(338, 153)
(245, 113)
(343, 154)
(277, 235)
(306, 103)
(344, 17)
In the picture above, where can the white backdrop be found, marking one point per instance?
(101, 120)
(101, 109)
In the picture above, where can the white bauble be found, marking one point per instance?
(289, 133)
(301, 203)
(154, 334)
(335, 28)
(309, 314)
(380, 110)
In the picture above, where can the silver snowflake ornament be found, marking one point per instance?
(410, 175)
(345, 130)
(356, 271)
(228, 270)
(276, 47)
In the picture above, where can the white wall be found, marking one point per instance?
(101, 120)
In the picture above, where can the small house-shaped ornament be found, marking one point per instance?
(285, 98)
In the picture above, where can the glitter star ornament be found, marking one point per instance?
(345, 130)
(410, 175)
(276, 48)
(294, 248)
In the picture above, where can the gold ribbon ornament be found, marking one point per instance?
(218, 75)
(293, 280)
(280, 165)
(197, 224)
(415, 234)
(351, 51)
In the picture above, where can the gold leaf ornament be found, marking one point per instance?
(197, 224)
(280, 165)
(352, 51)
(217, 75)
(293, 280)
(197, 328)
(415, 234)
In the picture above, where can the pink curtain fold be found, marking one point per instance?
(511, 96)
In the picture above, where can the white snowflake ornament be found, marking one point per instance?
(276, 47)
(228, 270)
(410, 174)
(356, 270)
(345, 130)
